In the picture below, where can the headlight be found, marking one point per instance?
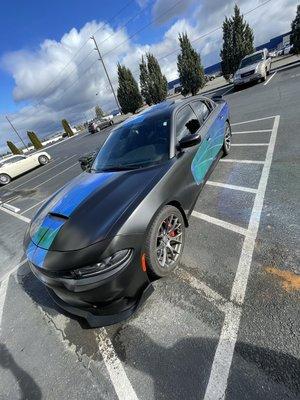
(236, 76)
(104, 265)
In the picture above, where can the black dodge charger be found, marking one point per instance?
(100, 241)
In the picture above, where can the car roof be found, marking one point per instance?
(167, 106)
(9, 158)
(256, 52)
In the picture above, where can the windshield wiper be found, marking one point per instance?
(121, 167)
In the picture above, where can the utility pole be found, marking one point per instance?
(16, 132)
(108, 78)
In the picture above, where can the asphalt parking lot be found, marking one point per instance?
(224, 325)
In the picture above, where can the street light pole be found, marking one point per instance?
(16, 132)
(108, 78)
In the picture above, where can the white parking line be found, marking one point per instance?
(253, 120)
(233, 187)
(3, 288)
(54, 176)
(231, 160)
(216, 388)
(227, 91)
(270, 78)
(220, 222)
(257, 131)
(35, 205)
(42, 173)
(19, 216)
(9, 207)
(219, 301)
(121, 383)
(249, 144)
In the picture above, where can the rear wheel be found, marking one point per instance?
(4, 179)
(165, 242)
(227, 139)
(43, 160)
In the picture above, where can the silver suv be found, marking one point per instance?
(253, 68)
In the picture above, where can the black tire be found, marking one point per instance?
(158, 247)
(43, 160)
(4, 179)
(227, 139)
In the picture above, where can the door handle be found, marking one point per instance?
(208, 139)
(221, 116)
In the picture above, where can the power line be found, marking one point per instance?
(81, 47)
(142, 28)
(105, 70)
(165, 55)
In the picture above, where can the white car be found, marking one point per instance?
(253, 68)
(16, 165)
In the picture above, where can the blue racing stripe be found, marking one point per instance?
(78, 190)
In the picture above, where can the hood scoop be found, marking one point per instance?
(58, 216)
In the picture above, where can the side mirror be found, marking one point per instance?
(189, 141)
(87, 160)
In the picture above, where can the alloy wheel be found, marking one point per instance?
(227, 139)
(169, 241)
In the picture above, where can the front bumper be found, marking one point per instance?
(247, 79)
(106, 298)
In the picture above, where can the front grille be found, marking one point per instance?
(248, 73)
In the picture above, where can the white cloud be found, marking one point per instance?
(73, 93)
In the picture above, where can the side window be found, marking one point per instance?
(186, 122)
(17, 158)
(201, 110)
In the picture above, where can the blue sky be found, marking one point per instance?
(38, 38)
(25, 24)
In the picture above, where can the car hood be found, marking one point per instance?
(90, 208)
(248, 68)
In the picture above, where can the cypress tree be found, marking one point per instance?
(237, 42)
(190, 69)
(13, 148)
(67, 128)
(158, 83)
(295, 36)
(128, 93)
(99, 112)
(35, 140)
(144, 82)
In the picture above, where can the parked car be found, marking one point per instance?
(97, 125)
(253, 68)
(14, 166)
(288, 49)
(100, 241)
(273, 53)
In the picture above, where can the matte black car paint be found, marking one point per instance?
(115, 216)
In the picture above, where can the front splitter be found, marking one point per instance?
(98, 321)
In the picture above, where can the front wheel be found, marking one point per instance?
(227, 140)
(165, 242)
(4, 179)
(43, 160)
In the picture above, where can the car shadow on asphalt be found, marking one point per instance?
(182, 370)
(39, 294)
(27, 385)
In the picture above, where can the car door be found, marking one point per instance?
(17, 165)
(212, 135)
(200, 160)
(24, 164)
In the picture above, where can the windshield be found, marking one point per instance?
(251, 60)
(140, 142)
